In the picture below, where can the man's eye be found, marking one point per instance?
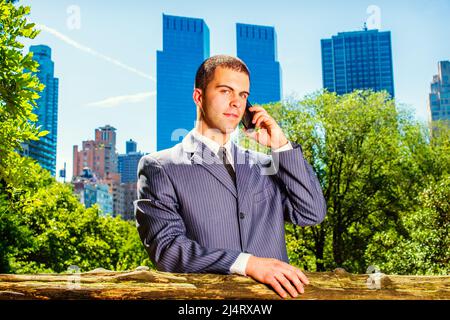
(226, 91)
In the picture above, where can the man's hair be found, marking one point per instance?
(205, 72)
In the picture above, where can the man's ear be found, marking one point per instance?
(198, 99)
(198, 96)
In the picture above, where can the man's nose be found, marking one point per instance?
(237, 102)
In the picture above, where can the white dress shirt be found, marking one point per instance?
(240, 264)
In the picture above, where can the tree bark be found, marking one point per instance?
(319, 243)
(150, 285)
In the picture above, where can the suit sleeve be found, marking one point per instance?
(162, 229)
(302, 196)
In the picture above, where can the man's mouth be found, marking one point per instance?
(231, 115)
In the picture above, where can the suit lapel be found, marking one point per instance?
(204, 157)
(244, 171)
(245, 168)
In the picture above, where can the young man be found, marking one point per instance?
(207, 205)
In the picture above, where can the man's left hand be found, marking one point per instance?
(270, 133)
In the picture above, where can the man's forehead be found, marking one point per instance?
(228, 71)
(222, 74)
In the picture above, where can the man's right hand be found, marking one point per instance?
(279, 275)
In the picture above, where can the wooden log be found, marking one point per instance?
(151, 284)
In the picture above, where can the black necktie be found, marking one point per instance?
(223, 156)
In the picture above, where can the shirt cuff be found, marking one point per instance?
(240, 264)
(287, 146)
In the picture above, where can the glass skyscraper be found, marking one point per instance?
(257, 47)
(128, 163)
(131, 146)
(439, 98)
(185, 47)
(44, 150)
(358, 60)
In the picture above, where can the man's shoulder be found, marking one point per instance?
(163, 157)
(256, 156)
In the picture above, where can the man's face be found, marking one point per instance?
(225, 99)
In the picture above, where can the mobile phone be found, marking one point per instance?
(248, 117)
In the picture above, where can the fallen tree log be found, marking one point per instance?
(150, 285)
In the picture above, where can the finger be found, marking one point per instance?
(266, 120)
(278, 288)
(294, 278)
(286, 284)
(261, 119)
(256, 108)
(257, 115)
(301, 275)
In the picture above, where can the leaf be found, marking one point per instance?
(43, 133)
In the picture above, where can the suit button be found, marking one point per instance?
(241, 215)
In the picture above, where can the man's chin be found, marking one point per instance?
(228, 130)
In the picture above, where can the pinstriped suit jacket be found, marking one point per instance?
(192, 218)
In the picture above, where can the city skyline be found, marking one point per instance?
(186, 44)
(439, 97)
(102, 175)
(257, 47)
(358, 60)
(107, 67)
(44, 149)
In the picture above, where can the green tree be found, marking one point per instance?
(18, 89)
(372, 159)
(425, 249)
(43, 227)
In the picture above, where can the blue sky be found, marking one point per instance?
(106, 59)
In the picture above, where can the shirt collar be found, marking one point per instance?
(211, 144)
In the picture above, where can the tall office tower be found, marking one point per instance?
(439, 98)
(99, 155)
(107, 136)
(131, 146)
(44, 150)
(257, 47)
(358, 60)
(129, 196)
(185, 47)
(128, 163)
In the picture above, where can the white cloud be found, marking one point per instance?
(91, 51)
(115, 101)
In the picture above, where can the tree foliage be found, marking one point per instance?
(46, 229)
(375, 164)
(384, 176)
(19, 90)
(43, 226)
(425, 247)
